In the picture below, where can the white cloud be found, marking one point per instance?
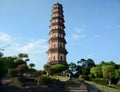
(5, 37)
(38, 46)
(79, 33)
(79, 30)
(36, 49)
(75, 36)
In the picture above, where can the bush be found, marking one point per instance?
(40, 73)
(12, 72)
(101, 81)
(84, 77)
(22, 68)
(44, 80)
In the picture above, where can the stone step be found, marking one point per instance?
(72, 86)
(76, 90)
(75, 85)
(82, 88)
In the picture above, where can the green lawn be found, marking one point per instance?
(62, 78)
(112, 88)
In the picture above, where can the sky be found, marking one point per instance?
(92, 29)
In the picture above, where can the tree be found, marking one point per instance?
(96, 71)
(86, 65)
(108, 72)
(32, 65)
(47, 69)
(22, 57)
(39, 73)
(107, 63)
(72, 67)
(9, 64)
(22, 69)
(90, 63)
(74, 70)
(1, 69)
(83, 62)
(12, 72)
(117, 73)
(1, 55)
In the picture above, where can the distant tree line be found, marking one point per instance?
(86, 69)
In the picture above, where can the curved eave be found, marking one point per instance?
(57, 31)
(57, 39)
(57, 17)
(57, 50)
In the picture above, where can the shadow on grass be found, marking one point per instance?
(113, 87)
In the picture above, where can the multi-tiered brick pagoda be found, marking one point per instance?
(57, 51)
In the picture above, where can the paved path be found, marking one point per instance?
(92, 88)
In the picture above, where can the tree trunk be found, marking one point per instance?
(109, 81)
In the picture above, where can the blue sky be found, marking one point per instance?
(92, 29)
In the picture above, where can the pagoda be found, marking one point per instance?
(57, 51)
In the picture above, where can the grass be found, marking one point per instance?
(61, 78)
(112, 88)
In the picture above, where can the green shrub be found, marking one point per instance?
(101, 81)
(40, 73)
(44, 80)
(82, 77)
(12, 72)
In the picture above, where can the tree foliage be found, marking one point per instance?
(22, 69)
(12, 72)
(108, 71)
(32, 65)
(1, 54)
(86, 64)
(117, 73)
(96, 71)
